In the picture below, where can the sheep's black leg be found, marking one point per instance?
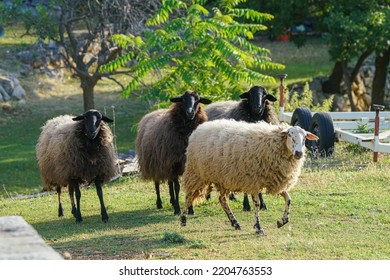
(286, 213)
(225, 205)
(60, 210)
(171, 192)
(74, 185)
(79, 219)
(176, 205)
(262, 203)
(103, 212)
(208, 193)
(71, 195)
(245, 204)
(232, 196)
(256, 203)
(158, 201)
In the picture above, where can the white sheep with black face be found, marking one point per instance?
(244, 157)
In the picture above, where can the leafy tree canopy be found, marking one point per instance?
(357, 26)
(189, 46)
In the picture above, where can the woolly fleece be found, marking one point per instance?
(162, 140)
(239, 156)
(240, 111)
(64, 153)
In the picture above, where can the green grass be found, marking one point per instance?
(337, 213)
(302, 64)
(340, 210)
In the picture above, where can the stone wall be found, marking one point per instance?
(10, 88)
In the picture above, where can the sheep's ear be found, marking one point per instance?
(79, 118)
(106, 119)
(176, 99)
(284, 132)
(204, 100)
(270, 98)
(311, 136)
(244, 95)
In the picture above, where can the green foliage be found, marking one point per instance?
(357, 26)
(305, 99)
(191, 47)
(363, 128)
(289, 14)
(38, 21)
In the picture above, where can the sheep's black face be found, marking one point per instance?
(191, 102)
(92, 120)
(256, 97)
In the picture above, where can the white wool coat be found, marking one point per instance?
(239, 157)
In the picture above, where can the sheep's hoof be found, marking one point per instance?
(247, 209)
(183, 221)
(260, 231)
(60, 212)
(237, 226)
(281, 223)
(176, 212)
(159, 205)
(105, 219)
(191, 210)
(263, 207)
(79, 220)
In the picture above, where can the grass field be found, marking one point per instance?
(340, 207)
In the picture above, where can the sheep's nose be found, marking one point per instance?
(190, 113)
(298, 154)
(257, 110)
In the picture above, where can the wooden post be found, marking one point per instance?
(281, 90)
(377, 108)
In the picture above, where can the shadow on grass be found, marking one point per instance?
(127, 235)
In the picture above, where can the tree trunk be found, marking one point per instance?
(350, 78)
(88, 85)
(379, 82)
(348, 84)
(332, 85)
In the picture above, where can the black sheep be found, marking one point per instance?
(162, 141)
(76, 150)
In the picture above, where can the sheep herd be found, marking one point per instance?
(229, 146)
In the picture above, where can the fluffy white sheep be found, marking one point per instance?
(243, 157)
(255, 106)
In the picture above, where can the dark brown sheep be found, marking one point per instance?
(76, 150)
(162, 140)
